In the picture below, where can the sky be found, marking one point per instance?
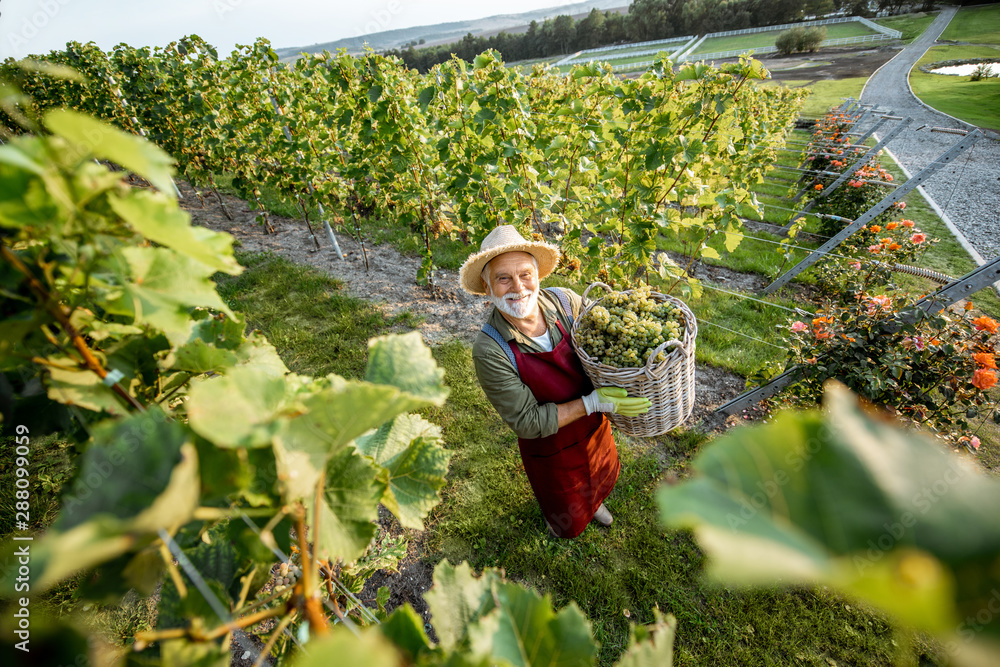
(39, 26)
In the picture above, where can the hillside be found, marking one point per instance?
(452, 30)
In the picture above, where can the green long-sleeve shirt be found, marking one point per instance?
(502, 385)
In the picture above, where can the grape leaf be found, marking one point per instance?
(405, 629)
(404, 361)
(350, 504)
(164, 286)
(531, 634)
(159, 219)
(237, 409)
(850, 501)
(197, 356)
(407, 447)
(457, 600)
(108, 511)
(369, 648)
(102, 140)
(652, 646)
(82, 388)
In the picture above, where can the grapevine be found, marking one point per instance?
(600, 165)
(625, 328)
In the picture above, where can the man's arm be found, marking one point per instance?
(570, 412)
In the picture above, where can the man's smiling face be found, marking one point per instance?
(513, 283)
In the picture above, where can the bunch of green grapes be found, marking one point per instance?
(624, 329)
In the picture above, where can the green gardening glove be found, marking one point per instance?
(616, 400)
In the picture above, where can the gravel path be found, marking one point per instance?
(968, 190)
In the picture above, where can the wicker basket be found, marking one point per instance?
(669, 385)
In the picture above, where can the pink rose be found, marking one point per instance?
(799, 326)
(918, 238)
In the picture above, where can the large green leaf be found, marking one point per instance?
(101, 140)
(159, 219)
(405, 362)
(258, 353)
(82, 388)
(349, 505)
(341, 647)
(405, 629)
(652, 645)
(162, 496)
(457, 600)
(531, 634)
(164, 287)
(852, 501)
(336, 415)
(197, 356)
(238, 409)
(408, 449)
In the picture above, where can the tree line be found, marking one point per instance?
(646, 20)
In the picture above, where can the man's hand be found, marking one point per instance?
(616, 400)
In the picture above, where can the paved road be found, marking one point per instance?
(969, 188)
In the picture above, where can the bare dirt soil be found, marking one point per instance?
(828, 63)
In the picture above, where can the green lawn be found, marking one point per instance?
(825, 93)
(976, 25)
(976, 102)
(761, 39)
(911, 25)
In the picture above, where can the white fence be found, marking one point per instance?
(719, 55)
(882, 33)
(648, 52)
(633, 45)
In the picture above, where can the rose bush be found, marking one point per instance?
(935, 372)
(864, 261)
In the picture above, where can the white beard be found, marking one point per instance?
(516, 304)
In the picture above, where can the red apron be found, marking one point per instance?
(573, 470)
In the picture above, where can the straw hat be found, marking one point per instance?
(505, 239)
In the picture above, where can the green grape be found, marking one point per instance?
(625, 329)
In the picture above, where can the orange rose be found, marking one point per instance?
(818, 186)
(984, 360)
(875, 229)
(984, 378)
(985, 323)
(907, 223)
(891, 226)
(894, 246)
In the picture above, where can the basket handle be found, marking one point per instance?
(592, 286)
(660, 348)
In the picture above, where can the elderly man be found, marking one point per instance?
(532, 376)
